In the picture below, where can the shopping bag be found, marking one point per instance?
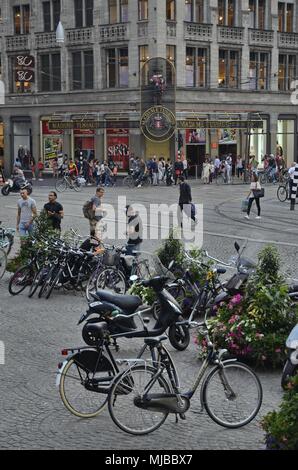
(244, 205)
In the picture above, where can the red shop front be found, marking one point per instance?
(84, 143)
(118, 147)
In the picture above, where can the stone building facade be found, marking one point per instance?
(232, 58)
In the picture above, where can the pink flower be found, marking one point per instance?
(236, 299)
(264, 358)
(278, 350)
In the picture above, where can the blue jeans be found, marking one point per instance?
(25, 232)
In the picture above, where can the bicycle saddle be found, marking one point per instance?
(128, 303)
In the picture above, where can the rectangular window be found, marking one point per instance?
(229, 61)
(199, 11)
(123, 67)
(262, 14)
(143, 10)
(46, 7)
(171, 56)
(77, 71)
(286, 71)
(226, 12)
(289, 17)
(82, 70)
(171, 10)
(188, 10)
(78, 5)
(143, 57)
(111, 68)
(117, 67)
(89, 70)
(89, 6)
(17, 19)
(17, 86)
(56, 13)
(281, 16)
(113, 17)
(259, 71)
(123, 11)
(51, 15)
(50, 72)
(196, 67)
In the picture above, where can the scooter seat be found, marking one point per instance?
(128, 303)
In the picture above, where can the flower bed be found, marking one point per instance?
(254, 325)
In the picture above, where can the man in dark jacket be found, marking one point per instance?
(185, 200)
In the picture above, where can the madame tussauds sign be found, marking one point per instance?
(158, 123)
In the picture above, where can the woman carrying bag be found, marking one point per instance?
(256, 192)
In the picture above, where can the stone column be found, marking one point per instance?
(214, 46)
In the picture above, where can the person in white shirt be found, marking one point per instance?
(185, 168)
(217, 164)
(291, 179)
(251, 197)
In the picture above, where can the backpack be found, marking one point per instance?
(88, 210)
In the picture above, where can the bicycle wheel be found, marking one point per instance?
(78, 388)
(37, 281)
(21, 279)
(111, 279)
(232, 395)
(282, 193)
(47, 280)
(61, 185)
(91, 286)
(7, 240)
(49, 286)
(3, 262)
(133, 384)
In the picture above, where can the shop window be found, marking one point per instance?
(22, 142)
(226, 12)
(51, 15)
(259, 70)
(171, 10)
(52, 147)
(117, 67)
(82, 70)
(50, 72)
(285, 139)
(196, 67)
(258, 139)
(143, 10)
(21, 16)
(194, 11)
(285, 17)
(286, 71)
(228, 68)
(118, 11)
(83, 10)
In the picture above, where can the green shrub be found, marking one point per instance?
(282, 426)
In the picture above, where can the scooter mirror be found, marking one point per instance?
(133, 278)
(237, 247)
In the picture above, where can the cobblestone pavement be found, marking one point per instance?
(34, 331)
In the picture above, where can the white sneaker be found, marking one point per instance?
(258, 217)
(139, 186)
(40, 179)
(247, 217)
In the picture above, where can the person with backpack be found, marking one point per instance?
(93, 211)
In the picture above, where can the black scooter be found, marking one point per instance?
(107, 305)
(15, 185)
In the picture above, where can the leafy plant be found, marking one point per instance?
(282, 426)
(171, 249)
(42, 230)
(255, 324)
(147, 294)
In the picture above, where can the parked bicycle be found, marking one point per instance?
(141, 398)
(6, 238)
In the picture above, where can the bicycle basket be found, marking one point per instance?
(110, 258)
